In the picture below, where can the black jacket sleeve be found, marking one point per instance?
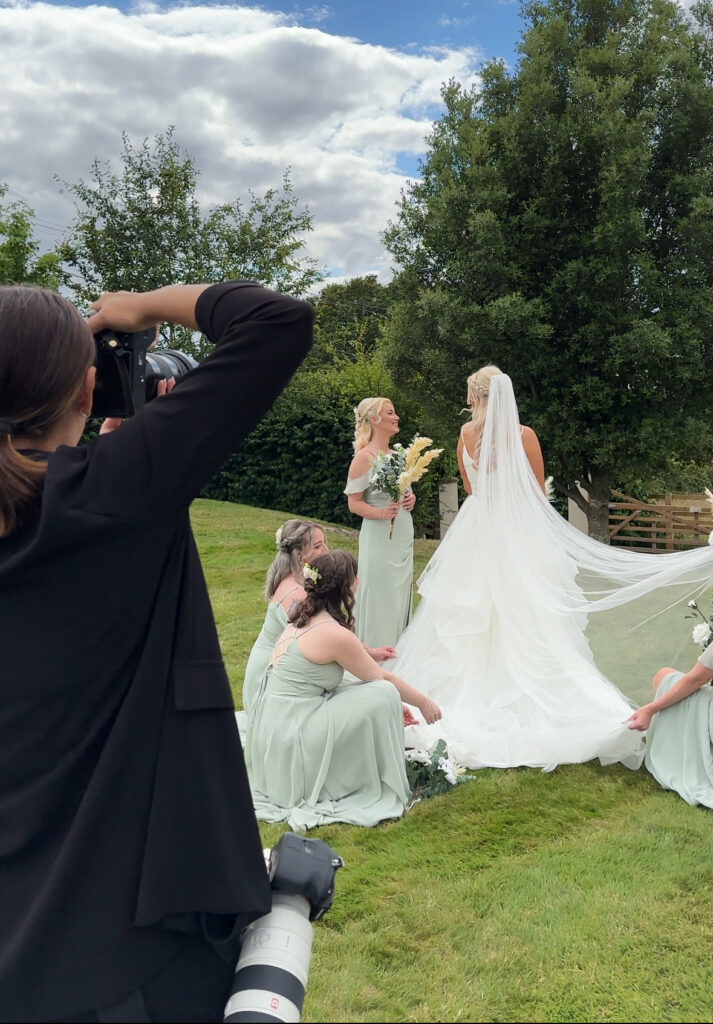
(163, 456)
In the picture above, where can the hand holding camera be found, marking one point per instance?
(128, 375)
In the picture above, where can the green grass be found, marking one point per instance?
(585, 894)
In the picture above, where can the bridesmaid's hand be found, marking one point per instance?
(641, 719)
(381, 653)
(408, 501)
(391, 510)
(409, 717)
(430, 710)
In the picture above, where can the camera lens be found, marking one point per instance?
(165, 363)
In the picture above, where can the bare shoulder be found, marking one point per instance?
(528, 435)
(360, 463)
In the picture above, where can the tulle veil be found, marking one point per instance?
(535, 639)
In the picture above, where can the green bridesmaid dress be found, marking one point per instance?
(259, 657)
(679, 753)
(320, 750)
(383, 602)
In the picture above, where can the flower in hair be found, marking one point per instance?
(310, 573)
(278, 536)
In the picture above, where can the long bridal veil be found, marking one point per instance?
(535, 639)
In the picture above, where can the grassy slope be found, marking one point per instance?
(581, 895)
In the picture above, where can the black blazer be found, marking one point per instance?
(125, 812)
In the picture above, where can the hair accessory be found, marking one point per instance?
(8, 426)
(310, 573)
(357, 417)
(278, 536)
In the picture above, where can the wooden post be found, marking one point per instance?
(668, 516)
(447, 503)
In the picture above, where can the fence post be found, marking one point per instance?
(669, 521)
(447, 503)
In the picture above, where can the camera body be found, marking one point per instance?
(271, 973)
(128, 374)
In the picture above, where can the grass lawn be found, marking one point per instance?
(585, 894)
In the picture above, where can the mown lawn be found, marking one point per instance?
(585, 894)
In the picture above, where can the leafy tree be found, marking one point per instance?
(349, 318)
(562, 228)
(143, 228)
(19, 259)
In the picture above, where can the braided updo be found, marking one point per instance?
(478, 385)
(331, 591)
(296, 536)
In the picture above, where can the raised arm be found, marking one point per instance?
(164, 455)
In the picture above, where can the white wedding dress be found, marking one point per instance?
(500, 637)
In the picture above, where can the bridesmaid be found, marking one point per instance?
(679, 740)
(383, 604)
(320, 749)
(297, 541)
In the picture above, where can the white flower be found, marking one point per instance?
(549, 489)
(418, 756)
(311, 574)
(278, 536)
(692, 604)
(445, 765)
(701, 633)
(710, 537)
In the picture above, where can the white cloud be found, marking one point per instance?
(249, 91)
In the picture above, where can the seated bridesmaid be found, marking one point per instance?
(298, 541)
(679, 751)
(320, 749)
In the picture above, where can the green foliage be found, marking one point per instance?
(19, 259)
(562, 229)
(349, 319)
(297, 458)
(434, 773)
(143, 228)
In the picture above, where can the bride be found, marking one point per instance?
(511, 600)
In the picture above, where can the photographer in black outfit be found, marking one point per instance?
(130, 857)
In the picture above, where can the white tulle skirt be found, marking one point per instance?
(498, 641)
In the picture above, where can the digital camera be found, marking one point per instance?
(271, 975)
(128, 374)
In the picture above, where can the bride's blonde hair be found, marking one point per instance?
(368, 409)
(478, 385)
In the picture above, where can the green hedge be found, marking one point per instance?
(297, 458)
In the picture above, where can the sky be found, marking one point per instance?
(343, 94)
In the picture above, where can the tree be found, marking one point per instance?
(143, 228)
(562, 228)
(19, 259)
(349, 318)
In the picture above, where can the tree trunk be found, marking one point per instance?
(598, 506)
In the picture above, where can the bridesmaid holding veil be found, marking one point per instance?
(383, 604)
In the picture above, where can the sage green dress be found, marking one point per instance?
(679, 752)
(320, 750)
(259, 657)
(383, 602)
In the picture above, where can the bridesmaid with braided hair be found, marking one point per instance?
(320, 749)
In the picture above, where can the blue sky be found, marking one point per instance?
(342, 93)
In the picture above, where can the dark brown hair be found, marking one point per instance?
(332, 592)
(46, 349)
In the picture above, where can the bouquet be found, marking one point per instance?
(395, 471)
(702, 632)
(429, 774)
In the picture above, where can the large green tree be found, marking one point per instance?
(563, 229)
(143, 228)
(349, 318)
(20, 259)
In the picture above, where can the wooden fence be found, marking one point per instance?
(670, 523)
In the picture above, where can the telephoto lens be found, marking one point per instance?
(163, 363)
(271, 974)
